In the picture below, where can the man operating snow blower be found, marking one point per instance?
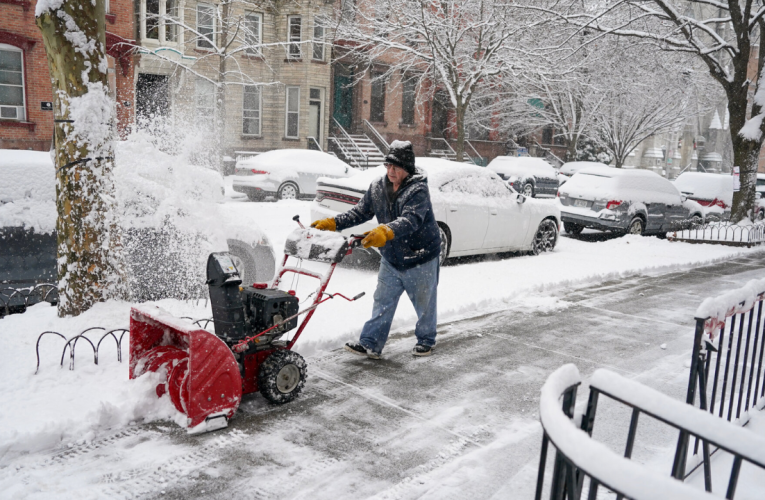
(410, 245)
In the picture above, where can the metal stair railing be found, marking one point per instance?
(318, 146)
(339, 145)
(386, 147)
(348, 138)
(477, 154)
(550, 156)
(451, 152)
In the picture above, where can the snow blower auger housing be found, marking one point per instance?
(208, 374)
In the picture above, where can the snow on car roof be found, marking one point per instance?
(522, 166)
(303, 160)
(574, 166)
(706, 186)
(620, 184)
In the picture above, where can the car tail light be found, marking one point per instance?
(557, 194)
(343, 198)
(613, 204)
(254, 171)
(720, 203)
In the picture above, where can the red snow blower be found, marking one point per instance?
(206, 374)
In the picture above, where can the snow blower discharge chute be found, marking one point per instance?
(206, 374)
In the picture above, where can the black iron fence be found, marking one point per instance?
(722, 233)
(727, 365)
(578, 457)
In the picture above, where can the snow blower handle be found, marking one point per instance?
(356, 240)
(297, 219)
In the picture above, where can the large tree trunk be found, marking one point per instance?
(89, 249)
(746, 153)
(460, 118)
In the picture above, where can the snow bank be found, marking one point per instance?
(28, 190)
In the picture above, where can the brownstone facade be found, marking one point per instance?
(32, 128)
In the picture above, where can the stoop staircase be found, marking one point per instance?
(358, 150)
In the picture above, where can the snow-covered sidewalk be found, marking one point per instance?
(59, 406)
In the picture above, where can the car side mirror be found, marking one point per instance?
(683, 198)
(520, 199)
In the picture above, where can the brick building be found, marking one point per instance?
(25, 91)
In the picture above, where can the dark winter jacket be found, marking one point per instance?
(408, 212)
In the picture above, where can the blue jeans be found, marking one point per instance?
(420, 284)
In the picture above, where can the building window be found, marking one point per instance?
(251, 110)
(204, 94)
(315, 107)
(408, 101)
(160, 20)
(252, 34)
(205, 26)
(171, 20)
(377, 106)
(152, 19)
(318, 39)
(294, 36)
(547, 135)
(293, 112)
(11, 83)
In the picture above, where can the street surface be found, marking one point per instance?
(460, 424)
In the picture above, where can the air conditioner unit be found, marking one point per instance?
(12, 113)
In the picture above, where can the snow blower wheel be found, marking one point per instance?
(282, 376)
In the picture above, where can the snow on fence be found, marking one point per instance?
(721, 233)
(578, 456)
(727, 358)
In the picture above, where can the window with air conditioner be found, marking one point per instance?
(294, 35)
(293, 113)
(251, 109)
(11, 83)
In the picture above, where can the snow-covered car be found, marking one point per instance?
(168, 214)
(477, 212)
(570, 168)
(629, 201)
(286, 173)
(714, 192)
(532, 177)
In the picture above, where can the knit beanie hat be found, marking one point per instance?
(401, 154)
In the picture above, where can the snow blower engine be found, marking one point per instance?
(206, 374)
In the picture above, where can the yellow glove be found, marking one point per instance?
(325, 224)
(377, 237)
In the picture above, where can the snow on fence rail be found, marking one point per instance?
(578, 455)
(721, 233)
(727, 358)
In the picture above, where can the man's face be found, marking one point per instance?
(396, 174)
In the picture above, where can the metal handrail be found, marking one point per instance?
(311, 138)
(377, 135)
(474, 151)
(350, 139)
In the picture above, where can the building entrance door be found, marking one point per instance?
(343, 107)
(152, 99)
(314, 118)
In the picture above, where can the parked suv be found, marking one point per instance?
(532, 177)
(627, 201)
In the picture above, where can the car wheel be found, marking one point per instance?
(288, 191)
(282, 376)
(572, 228)
(545, 237)
(696, 221)
(637, 226)
(528, 190)
(444, 245)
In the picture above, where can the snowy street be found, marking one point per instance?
(462, 423)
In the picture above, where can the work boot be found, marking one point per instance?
(356, 348)
(422, 350)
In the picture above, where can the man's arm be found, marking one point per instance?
(412, 215)
(362, 212)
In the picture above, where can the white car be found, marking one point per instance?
(533, 177)
(286, 173)
(714, 192)
(568, 169)
(477, 212)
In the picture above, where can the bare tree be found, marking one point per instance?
(90, 266)
(457, 45)
(726, 35)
